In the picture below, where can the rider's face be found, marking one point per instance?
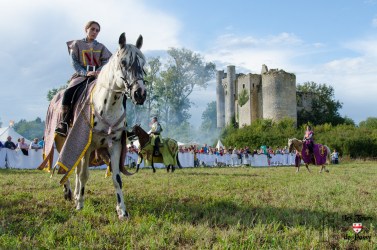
(92, 32)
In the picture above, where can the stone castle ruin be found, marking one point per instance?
(272, 95)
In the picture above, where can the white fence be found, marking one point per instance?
(16, 159)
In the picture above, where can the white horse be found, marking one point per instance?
(122, 74)
(298, 145)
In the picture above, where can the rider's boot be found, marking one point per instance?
(62, 127)
(156, 146)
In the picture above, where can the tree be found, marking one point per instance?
(51, 93)
(183, 71)
(325, 109)
(31, 129)
(209, 117)
(370, 122)
(243, 97)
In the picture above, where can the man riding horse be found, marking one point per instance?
(156, 137)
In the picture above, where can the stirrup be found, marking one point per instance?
(57, 130)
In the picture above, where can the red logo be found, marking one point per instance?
(357, 227)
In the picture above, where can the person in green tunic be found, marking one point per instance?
(156, 137)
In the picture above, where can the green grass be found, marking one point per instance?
(199, 208)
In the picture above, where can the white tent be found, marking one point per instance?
(8, 131)
(219, 145)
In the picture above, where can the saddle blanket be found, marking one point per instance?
(320, 154)
(79, 136)
(169, 153)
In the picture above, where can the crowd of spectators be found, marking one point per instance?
(21, 145)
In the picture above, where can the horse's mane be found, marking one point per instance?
(135, 66)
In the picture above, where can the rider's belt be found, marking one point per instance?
(90, 68)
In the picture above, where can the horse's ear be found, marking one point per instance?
(122, 40)
(139, 42)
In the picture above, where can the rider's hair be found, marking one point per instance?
(90, 24)
(309, 126)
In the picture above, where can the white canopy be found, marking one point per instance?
(8, 131)
(136, 144)
(219, 145)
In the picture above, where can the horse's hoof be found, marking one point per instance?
(124, 217)
(78, 208)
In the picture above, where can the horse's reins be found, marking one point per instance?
(111, 129)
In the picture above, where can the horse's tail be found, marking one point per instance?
(328, 157)
(179, 164)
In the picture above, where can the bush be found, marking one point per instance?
(345, 138)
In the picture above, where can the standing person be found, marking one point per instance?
(23, 146)
(205, 148)
(308, 139)
(1, 145)
(335, 157)
(9, 144)
(87, 58)
(156, 131)
(35, 145)
(42, 142)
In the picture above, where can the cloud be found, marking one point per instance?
(229, 27)
(374, 22)
(353, 78)
(36, 59)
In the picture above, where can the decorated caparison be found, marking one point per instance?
(97, 131)
(321, 155)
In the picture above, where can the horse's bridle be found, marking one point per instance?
(124, 78)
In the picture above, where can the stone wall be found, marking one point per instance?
(220, 99)
(305, 100)
(279, 95)
(229, 94)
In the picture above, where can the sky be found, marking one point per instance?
(332, 42)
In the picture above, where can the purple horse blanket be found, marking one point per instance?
(320, 155)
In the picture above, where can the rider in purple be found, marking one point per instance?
(308, 139)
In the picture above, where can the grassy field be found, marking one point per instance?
(199, 208)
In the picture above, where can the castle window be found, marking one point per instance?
(243, 85)
(226, 92)
(253, 85)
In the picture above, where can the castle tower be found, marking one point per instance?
(229, 89)
(279, 95)
(220, 99)
(250, 110)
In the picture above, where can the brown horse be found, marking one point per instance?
(298, 145)
(143, 138)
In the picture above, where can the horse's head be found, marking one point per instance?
(136, 129)
(290, 145)
(130, 69)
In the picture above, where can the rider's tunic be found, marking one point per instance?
(85, 54)
(155, 132)
(309, 137)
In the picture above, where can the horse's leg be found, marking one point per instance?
(77, 181)
(320, 171)
(298, 168)
(307, 166)
(172, 168)
(154, 170)
(117, 181)
(137, 169)
(83, 178)
(168, 168)
(67, 190)
(324, 168)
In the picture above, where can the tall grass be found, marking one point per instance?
(196, 208)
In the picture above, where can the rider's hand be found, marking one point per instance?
(91, 73)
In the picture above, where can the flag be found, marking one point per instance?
(11, 123)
